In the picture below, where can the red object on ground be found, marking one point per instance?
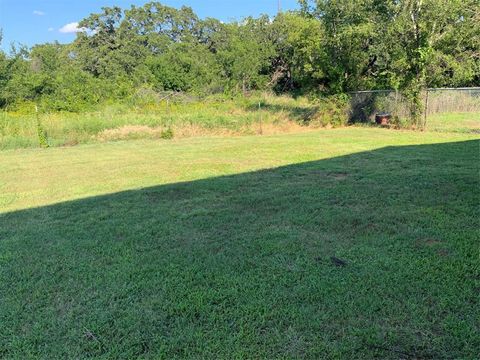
(382, 119)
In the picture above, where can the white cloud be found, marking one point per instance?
(38, 13)
(71, 28)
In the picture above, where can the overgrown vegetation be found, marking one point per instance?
(147, 115)
(150, 116)
(326, 48)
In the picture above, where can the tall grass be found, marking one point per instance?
(150, 119)
(454, 101)
(168, 117)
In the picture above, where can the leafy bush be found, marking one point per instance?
(75, 91)
(167, 134)
(331, 111)
(42, 135)
(186, 67)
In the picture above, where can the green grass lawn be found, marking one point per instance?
(454, 122)
(343, 243)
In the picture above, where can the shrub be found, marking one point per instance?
(42, 134)
(167, 134)
(331, 111)
(74, 91)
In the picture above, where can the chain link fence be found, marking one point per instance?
(366, 104)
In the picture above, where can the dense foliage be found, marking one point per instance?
(328, 47)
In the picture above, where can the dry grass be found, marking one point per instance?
(127, 132)
(257, 114)
(195, 130)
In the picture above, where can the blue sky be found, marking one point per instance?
(37, 21)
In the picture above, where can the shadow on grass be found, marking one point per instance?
(368, 255)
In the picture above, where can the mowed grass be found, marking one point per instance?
(344, 243)
(454, 122)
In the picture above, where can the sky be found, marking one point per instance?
(30, 22)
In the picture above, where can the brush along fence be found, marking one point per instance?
(365, 105)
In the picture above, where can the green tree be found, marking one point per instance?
(300, 56)
(353, 31)
(186, 67)
(404, 44)
(432, 43)
(245, 54)
(329, 47)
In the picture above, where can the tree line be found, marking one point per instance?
(326, 47)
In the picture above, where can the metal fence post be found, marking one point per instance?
(425, 110)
